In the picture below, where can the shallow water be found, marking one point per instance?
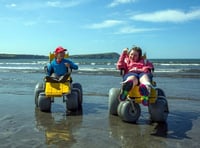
(174, 87)
(23, 125)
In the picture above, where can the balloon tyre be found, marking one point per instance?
(113, 100)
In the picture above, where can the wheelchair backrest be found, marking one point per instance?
(52, 56)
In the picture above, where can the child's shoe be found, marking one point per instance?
(145, 100)
(144, 94)
(123, 95)
(125, 89)
(143, 90)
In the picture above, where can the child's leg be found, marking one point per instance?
(125, 89)
(145, 84)
(145, 88)
(53, 78)
(64, 78)
(127, 86)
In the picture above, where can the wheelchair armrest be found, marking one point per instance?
(69, 70)
(122, 71)
(45, 69)
(51, 79)
(152, 70)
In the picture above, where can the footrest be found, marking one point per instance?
(57, 89)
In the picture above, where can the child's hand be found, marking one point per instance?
(125, 50)
(67, 65)
(146, 69)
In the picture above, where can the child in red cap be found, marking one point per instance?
(59, 66)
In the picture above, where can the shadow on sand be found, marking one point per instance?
(176, 127)
(179, 123)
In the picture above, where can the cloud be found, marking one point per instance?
(12, 5)
(53, 21)
(118, 2)
(30, 23)
(10, 20)
(105, 24)
(34, 5)
(53, 3)
(25, 5)
(63, 4)
(174, 16)
(130, 30)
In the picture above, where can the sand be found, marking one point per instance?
(23, 125)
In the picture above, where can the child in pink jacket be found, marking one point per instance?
(137, 70)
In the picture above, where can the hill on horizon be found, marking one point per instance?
(88, 56)
(112, 55)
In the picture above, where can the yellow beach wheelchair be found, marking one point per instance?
(130, 110)
(46, 91)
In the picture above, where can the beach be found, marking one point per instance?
(23, 125)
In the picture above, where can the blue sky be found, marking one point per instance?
(162, 28)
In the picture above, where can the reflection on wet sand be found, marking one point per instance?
(138, 135)
(96, 128)
(58, 130)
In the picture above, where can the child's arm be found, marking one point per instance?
(121, 63)
(71, 64)
(49, 69)
(148, 67)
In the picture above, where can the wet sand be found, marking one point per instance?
(22, 125)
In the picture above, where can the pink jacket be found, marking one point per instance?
(130, 66)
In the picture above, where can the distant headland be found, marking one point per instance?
(111, 55)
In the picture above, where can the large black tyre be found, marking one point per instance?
(72, 101)
(160, 92)
(159, 110)
(128, 113)
(38, 89)
(78, 88)
(113, 100)
(44, 103)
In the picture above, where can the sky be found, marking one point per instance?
(162, 28)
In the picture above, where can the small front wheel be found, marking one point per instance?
(119, 108)
(129, 113)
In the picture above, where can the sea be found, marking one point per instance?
(179, 77)
(189, 66)
(23, 125)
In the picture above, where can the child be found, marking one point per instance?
(137, 70)
(59, 67)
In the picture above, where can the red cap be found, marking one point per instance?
(59, 49)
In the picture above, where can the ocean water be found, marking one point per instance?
(101, 65)
(178, 77)
(23, 125)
